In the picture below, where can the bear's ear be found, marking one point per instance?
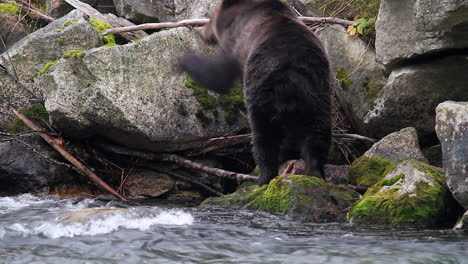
(229, 3)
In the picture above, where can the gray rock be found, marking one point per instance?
(398, 40)
(131, 95)
(59, 8)
(462, 224)
(11, 31)
(146, 11)
(149, 183)
(22, 170)
(31, 53)
(361, 78)
(436, 15)
(12, 95)
(186, 9)
(412, 94)
(398, 146)
(452, 131)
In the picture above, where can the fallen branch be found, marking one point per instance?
(179, 161)
(202, 22)
(110, 19)
(27, 7)
(69, 157)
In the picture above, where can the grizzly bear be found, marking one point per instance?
(285, 73)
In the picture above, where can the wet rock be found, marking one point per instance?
(23, 170)
(105, 93)
(86, 215)
(32, 53)
(452, 131)
(411, 194)
(398, 40)
(149, 183)
(359, 78)
(412, 93)
(398, 146)
(392, 149)
(463, 222)
(146, 11)
(302, 197)
(11, 30)
(434, 15)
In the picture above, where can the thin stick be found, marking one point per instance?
(69, 157)
(30, 8)
(202, 22)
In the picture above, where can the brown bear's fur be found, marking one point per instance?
(286, 80)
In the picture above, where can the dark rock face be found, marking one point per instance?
(23, 170)
(11, 30)
(452, 130)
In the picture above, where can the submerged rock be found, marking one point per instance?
(131, 95)
(452, 131)
(411, 194)
(301, 197)
(86, 215)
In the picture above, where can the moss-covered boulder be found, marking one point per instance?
(131, 95)
(301, 197)
(412, 194)
(367, 171)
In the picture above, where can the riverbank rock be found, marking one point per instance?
(359, 78)
(30, 55)
(411, 194)
(146, 11)
(131, 95)
(11, 30)
(398, 40)
(149, 183)
(452, 131)
(302, 197)
(23, 170)
(12, 95)
(463, 222)
(392, 149)
(412, 93)
(437, 15)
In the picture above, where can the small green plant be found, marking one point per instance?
(10, 9)
(362, 26)
(74, 54)
(342, 75)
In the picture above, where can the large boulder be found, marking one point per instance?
(452, 131)
(12, 95)
(146, 11)
(59, 8)
(412, 194)
(412, 93)
(360, 79)
(11, 30)
(397, 38)
(304, 198)
(392, 149)
(436, 15)
(131, 95)
(186, 9)
(29, 56)
(26, 166)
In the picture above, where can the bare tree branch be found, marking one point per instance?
(69, 157)
(202, 22)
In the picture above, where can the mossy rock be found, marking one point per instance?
(99, 25)
(304, 198)
(36, 113)
(367, 171)
(10, 9)
(412, 194)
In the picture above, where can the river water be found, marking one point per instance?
(47, 230)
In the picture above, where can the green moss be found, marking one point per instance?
(342, 75)
(247, 192)
(68, 23)
(74, 54)
(393, 180)
(389, 207)
(182, 110)
(256, 171)
(371, 89)
(204, 119)
(201, 94)
(99, 25)
(47, 66)
(368, 171)
(10, 9)
(170, 13)
(232, 103)
(61, 41)
(36, 113)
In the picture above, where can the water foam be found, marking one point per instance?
(106, 222)
(9, 204)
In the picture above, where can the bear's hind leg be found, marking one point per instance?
(315, 152)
